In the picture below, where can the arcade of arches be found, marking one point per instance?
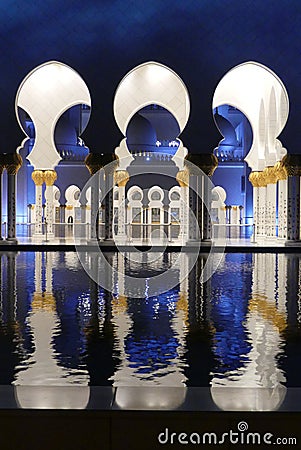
(152, 188)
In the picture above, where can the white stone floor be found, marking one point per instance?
(55, 241)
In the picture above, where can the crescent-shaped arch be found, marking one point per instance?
(151, 83)
(45, 94)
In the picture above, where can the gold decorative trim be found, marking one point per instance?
(96, 161)
(38, 177)
(270, 175)
(12, 162)
(43, 301)
(50, 176)
(257, 179)
(292, 164)
(260, 304)
(183, 178)
(281, 171)
(121, 177)
(119, 304)
(207, 162)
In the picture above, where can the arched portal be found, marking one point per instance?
(260, 96)
(151, 108)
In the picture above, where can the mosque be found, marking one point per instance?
(151, 187)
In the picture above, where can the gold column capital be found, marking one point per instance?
(207, 162)
(270, 175)
(12, 163)
(292, 164)
(38, 177)
(281, 171)
(183, 177)
(254, 178)
(121, 177)
(96, 161)
(50, 176)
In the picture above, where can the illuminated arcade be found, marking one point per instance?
(45, 191)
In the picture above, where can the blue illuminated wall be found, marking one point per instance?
(232, 173)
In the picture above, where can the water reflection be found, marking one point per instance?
(238, 333)
(248, 341)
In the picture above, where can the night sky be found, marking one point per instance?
(199, 39)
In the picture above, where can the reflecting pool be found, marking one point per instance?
(241, 328)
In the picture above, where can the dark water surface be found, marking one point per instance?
(240, 329)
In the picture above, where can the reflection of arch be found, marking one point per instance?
(229, 398)
(150, 398)
(52, 397)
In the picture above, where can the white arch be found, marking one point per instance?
(155, 189)
(56, 196)
(45, 94)
(135, 206)
(151, 83)
(72, 195)
(248, 87)
(131, 191)
(155, 204)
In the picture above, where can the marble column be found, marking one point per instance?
(38, 179)
(193, 229)
(292, 164)
(262, 212)
(207, 224)
(183, 180)
(109, 205)
(258, 181)
(207, 164)
(293, 210)
(270, 175)
(94, 164)
(50, 177)
(1, 171)
(121, 177)
(13, 165)
(282, 201)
